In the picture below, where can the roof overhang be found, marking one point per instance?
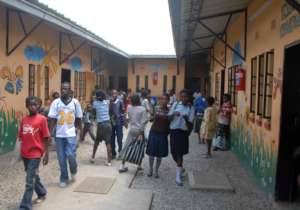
(197, 23)
(39, 10)
(152, 57)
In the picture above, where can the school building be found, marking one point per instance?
(39, 49)
(158, 73)
(253, 48)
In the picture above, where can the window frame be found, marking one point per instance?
(46, 83)
(31, 80)
(266, 84)
(260, 76)
(232, 84)
(165, 83)
(253, 92)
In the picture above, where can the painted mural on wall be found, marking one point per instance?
(96, 66)
(9, 121)
(253, 146)
(13, 79)
(75, 63)
(237, 60)
(44, 54)
(289, 22)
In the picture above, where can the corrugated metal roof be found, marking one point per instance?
(186, 29)
(38, 9)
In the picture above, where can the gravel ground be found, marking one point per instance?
(12, 175)
(167, 196)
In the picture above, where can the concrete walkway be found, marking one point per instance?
(120, 197)
(238, 191)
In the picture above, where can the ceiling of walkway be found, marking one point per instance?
(196, 23)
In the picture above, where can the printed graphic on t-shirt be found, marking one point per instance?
(28, 129)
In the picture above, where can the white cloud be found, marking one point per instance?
(134, 26)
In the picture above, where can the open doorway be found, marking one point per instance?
(286, 188)
(65, 75)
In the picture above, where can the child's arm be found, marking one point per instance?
(46, 155)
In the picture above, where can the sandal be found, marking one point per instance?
(39, 200)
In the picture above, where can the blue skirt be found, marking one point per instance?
(157, 144)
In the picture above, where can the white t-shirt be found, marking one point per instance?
(65, 115)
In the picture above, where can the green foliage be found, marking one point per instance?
(8, 130)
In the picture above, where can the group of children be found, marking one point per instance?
(172, 120)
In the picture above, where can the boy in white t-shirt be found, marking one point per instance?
(66, 114)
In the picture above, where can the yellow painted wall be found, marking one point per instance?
(143, 67)
(41, 48)
(259, 145)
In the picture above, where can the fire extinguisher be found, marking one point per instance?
(240, 80)
(155, 78)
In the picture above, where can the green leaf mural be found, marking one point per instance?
(257, 154)
(8, 130)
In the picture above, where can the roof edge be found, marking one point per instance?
(35, 9)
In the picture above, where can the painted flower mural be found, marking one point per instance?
(44, 54)
(75, 63)
(14, 79)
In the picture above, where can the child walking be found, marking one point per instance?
(34, 136)
(157, 146)
(88, 123)
(138, 119)
(209, 125)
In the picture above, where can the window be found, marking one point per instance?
(146, 82)
(46, 77)
(137, 83)
(165, 85)
(80, 85)
(231, 84)
(98, 80)
(174, 83)
(217, 87)
(111, 82)
(261, 77)
(268, 85)
(31, 83)
(253, 85)
(262, 68)
(76, 85)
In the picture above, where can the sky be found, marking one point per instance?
(134, 26)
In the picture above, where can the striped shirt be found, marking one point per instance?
(102, 110)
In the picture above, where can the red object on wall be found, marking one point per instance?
(240, 80)
(155, 78)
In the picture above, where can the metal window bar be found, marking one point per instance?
(261, 71)
(268, 84)
(31, 80)
(253, 84)
(46, 80)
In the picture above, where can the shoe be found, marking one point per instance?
(73, 177)
(92, 160)
(62, 184)
(39, 200)
(183, 172)
(179, 183)
(122, 170)
(107, 164)
(156, 175)
(150, 174)
(119, 157)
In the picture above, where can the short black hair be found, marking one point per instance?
(144, 93)
(135, 100)
(32, 98)
(210, 101)
(55, 94)
(100, 94)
